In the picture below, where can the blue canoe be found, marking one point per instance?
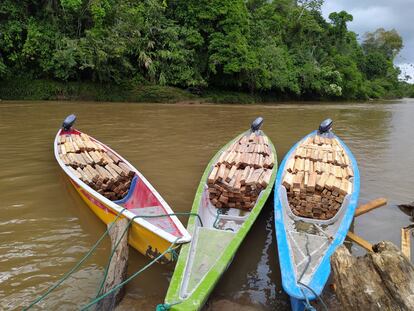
(305, 245)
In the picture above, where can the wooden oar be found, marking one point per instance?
(360, 241)
(365, 208)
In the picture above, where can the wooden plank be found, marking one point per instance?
(94, 173)
(297, 180)
(117, 270)
(84, 176)
(221, 172)
(307, 165)
(406, 241)
(311, 185)
(126, 169)
(330, 182)
(288, 181)
(231, 173)
(349, 171)
(360, 241)
(85, 137)
(237, 184)
(88, 173)
(245, 175)
(64, 159)
(213, 175)
(74, 172)
(112, 171)
(116, 168)
(290, 165)
(72, 158)
(93, 156)
(365, 208)
(254, 177)
(107, 158)
(299, 164)
(267, 175)
(306, 179)
(103, 173)
(113, 157)
(63, 149)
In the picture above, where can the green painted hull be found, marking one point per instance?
(199, 295)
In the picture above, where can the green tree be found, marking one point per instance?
(388, 42)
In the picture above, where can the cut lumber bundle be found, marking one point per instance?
(100, 169)
(317, 178)
(242, 171)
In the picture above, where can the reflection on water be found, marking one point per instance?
(45, 227)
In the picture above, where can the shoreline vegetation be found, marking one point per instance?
(90, 91)
(219, 51)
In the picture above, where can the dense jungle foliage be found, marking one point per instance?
(282, 48)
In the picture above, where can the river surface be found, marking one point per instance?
(45, 227)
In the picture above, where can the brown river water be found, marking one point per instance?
(45, 227)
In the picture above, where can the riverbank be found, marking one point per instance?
(88, 91)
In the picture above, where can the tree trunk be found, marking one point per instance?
(380, 280)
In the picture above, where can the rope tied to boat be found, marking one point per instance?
(76, 266)
(174, 254)
(166, 306)
(115, 288)
(170, 249)
(307, 304)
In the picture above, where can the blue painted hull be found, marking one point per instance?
(296, 304)
(321, 274)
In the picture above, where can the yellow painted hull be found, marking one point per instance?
(140, 238)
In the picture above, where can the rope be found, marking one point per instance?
(166, 306)
(90, 252)
(173, 252)
(307, 304)
(316, 295)
(96, 300)
(219, 212)
(330, 238)
(77, 265)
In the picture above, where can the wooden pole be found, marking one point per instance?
(380, 280)
(365, 208)
(406, 241)
(117, 271)
(360, 241)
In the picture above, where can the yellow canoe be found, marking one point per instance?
(149, 236)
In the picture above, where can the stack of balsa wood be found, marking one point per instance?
(317, 178)
(99, 168)
(241, 172)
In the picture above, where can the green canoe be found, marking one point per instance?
(212, 248)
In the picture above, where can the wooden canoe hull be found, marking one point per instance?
(287, 265)
(149, 236)
(199, 296)
(140, 238)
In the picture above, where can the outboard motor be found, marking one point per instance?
(257, 124)
(325, 126)
(68, 122)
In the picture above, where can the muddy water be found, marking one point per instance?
(45, 227)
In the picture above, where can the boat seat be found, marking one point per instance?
(164, 222)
